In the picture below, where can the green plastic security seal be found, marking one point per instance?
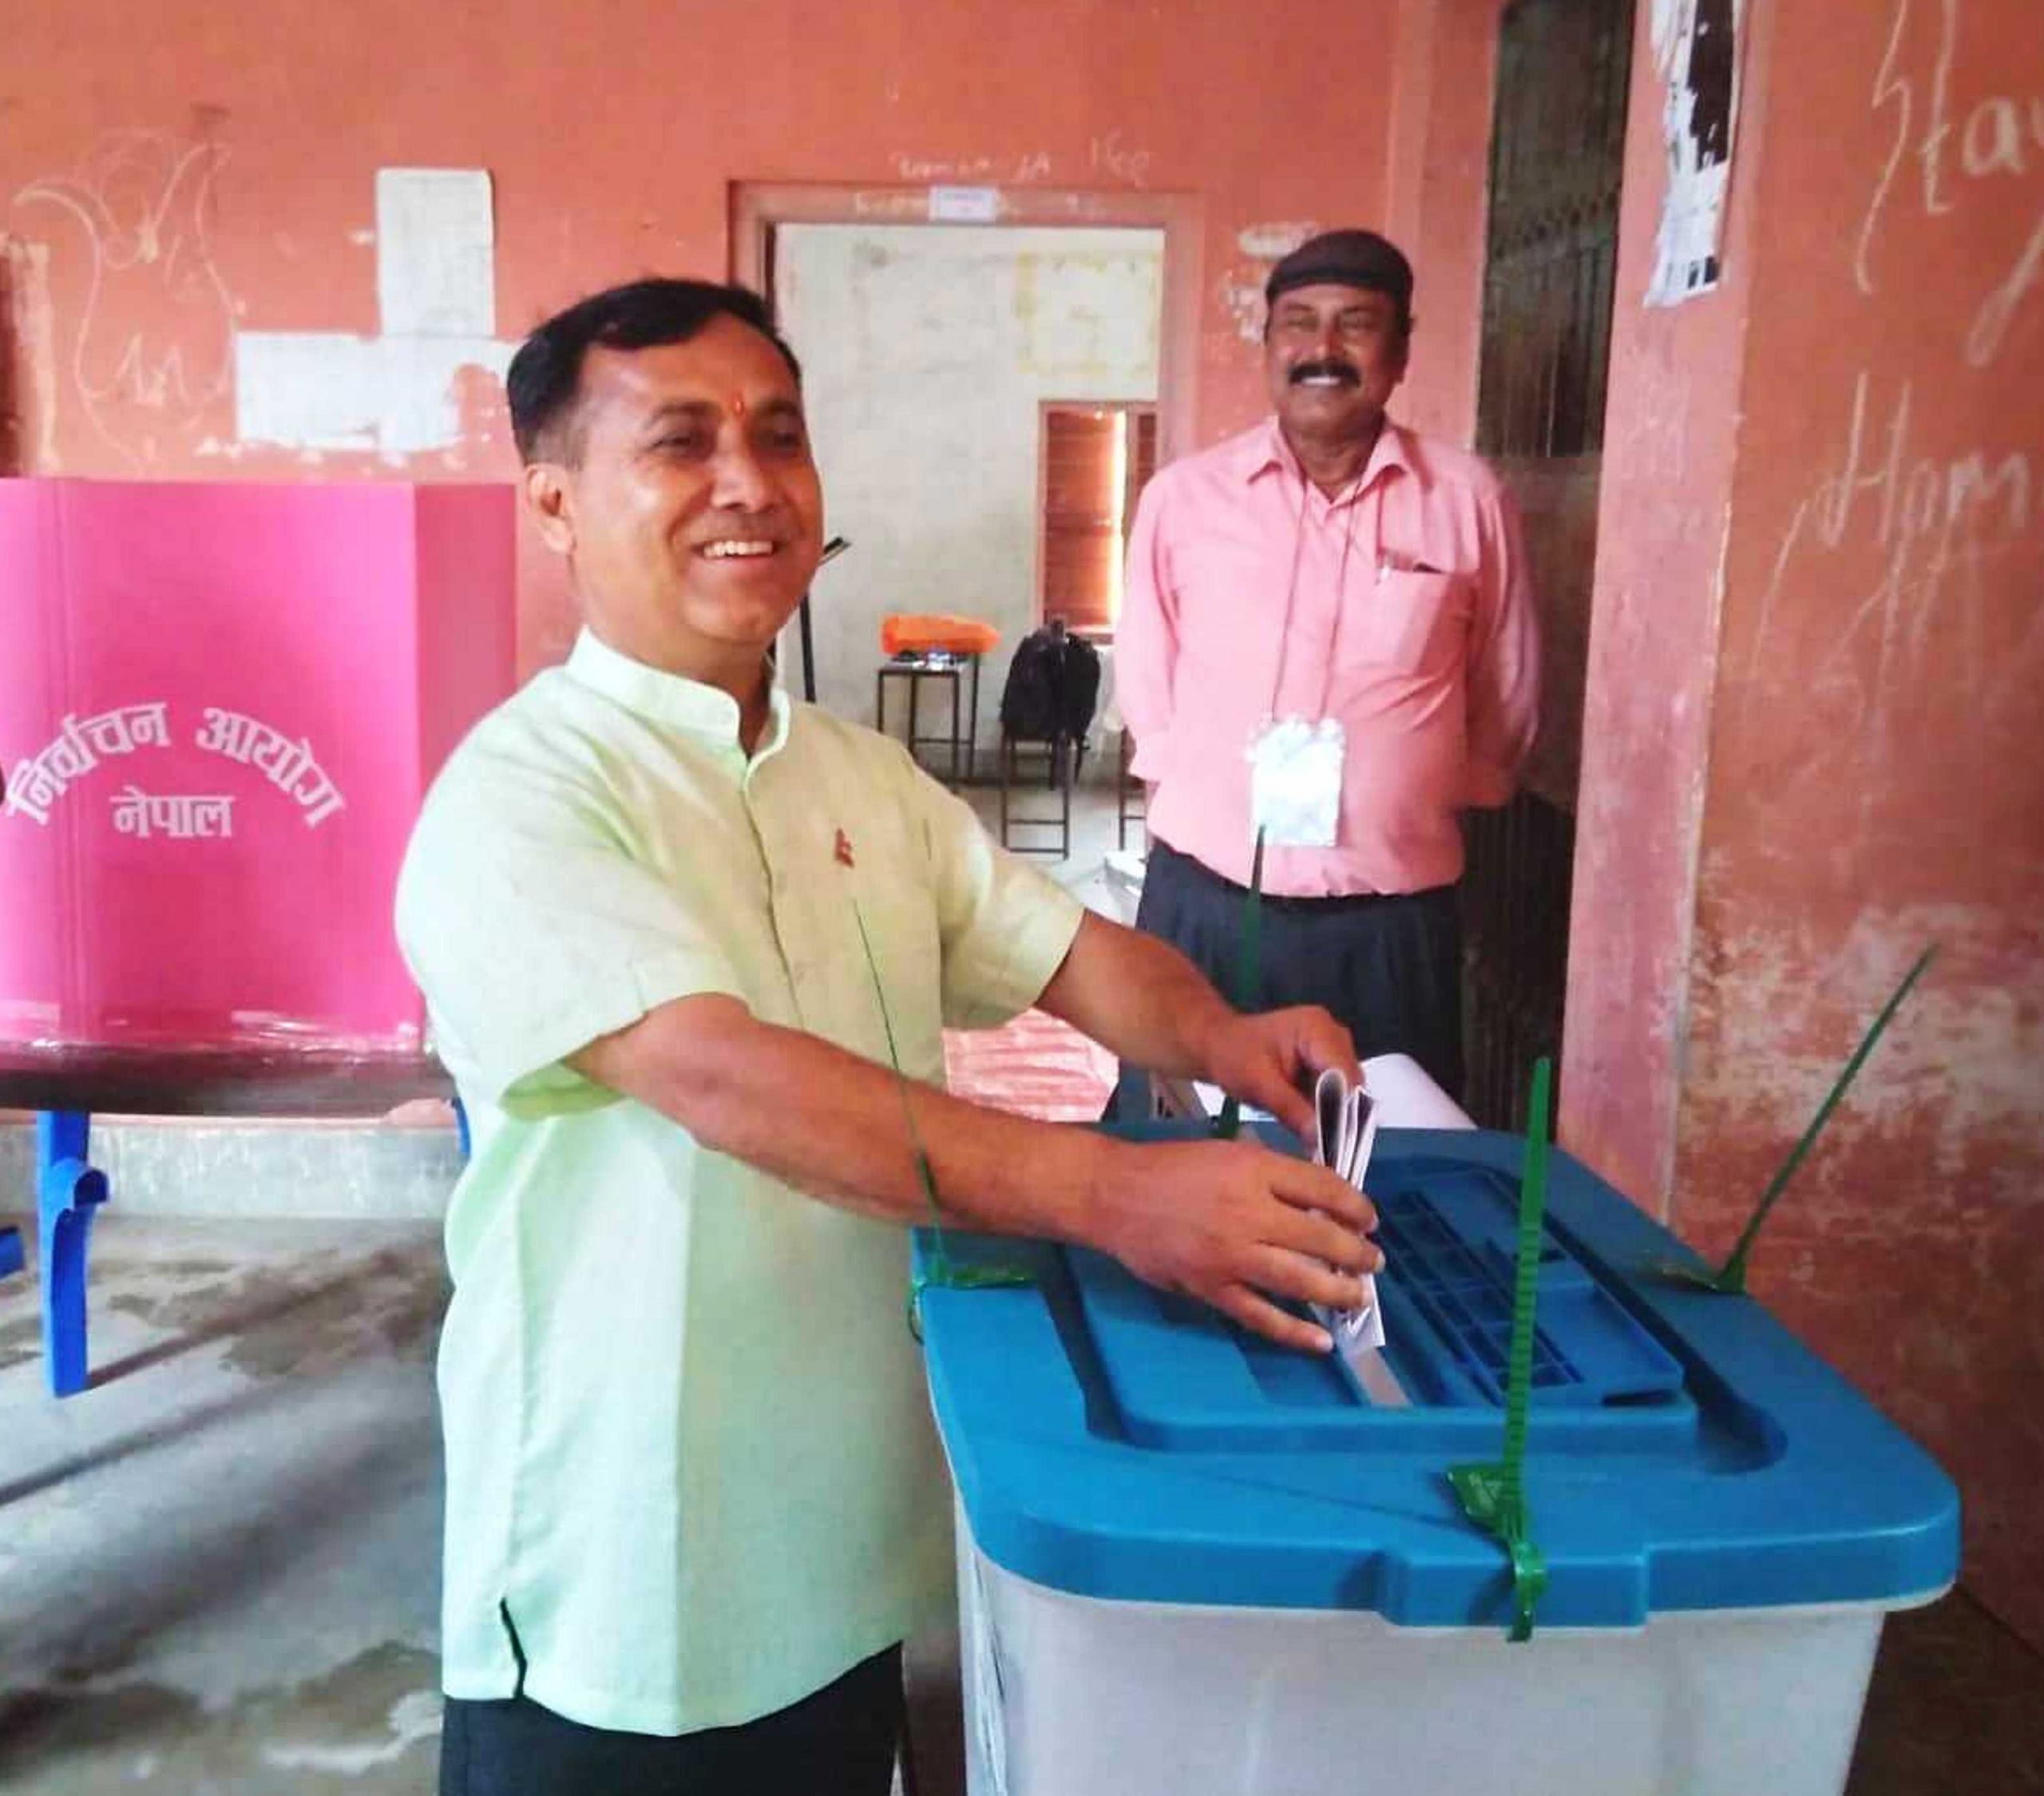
(1730, 1279)
(940, 1270)
(1248, 993)
(1493, 1495)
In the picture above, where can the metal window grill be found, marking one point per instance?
(1515, 948)
(1557, 163)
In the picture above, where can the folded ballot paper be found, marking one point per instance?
(1344, 1130)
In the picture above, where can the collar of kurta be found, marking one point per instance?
(672, 700)
(1265, 448)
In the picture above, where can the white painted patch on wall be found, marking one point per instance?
(435, 263)
(386, 395)
(1278, 238)
(396, 394)
(1242, 299)
(965, 206)
(1241, 291)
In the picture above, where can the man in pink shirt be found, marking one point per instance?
(1327, 635)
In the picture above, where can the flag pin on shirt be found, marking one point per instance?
(843, 850)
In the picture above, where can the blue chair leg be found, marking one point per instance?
(10, 1252)
(68, 1189)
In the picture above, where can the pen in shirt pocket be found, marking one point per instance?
(1394, 560)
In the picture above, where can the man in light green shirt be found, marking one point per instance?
(694, 1501)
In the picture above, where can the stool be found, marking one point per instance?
(1131, 796)
(1057, 777)
(916, 666)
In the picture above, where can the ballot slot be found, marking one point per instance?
(1449, 1249)
(1182, 1376)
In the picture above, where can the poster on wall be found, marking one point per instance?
(1696, 52)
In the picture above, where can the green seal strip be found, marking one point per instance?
(1493, 1496)
(1248, 993)
(941, 1269)
(1730, 1279)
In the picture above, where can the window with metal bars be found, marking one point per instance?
(1557, 163)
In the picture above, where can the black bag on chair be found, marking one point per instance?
(1053, 684)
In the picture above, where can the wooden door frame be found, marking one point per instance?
(758, 208)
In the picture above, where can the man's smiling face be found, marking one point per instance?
(1333, 355)
(687, 499)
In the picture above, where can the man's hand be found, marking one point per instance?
(1272, 1059)
(1234, 1224)
(1231, 1222)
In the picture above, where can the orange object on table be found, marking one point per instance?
(915, 632)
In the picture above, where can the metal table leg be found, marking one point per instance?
(973, 727)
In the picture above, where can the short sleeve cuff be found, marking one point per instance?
(1002, 974)
(523, 1070)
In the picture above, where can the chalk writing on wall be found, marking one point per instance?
(1118, 162)
(41, 780)
(150, 349)
(1933, 527)
(1958, 149)
(937, 170)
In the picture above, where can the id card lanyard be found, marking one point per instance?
(1296, 763)
(1341, 591)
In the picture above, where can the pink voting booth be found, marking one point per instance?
(219, 708)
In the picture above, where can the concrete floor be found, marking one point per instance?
(219, 1566)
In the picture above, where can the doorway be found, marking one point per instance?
(932, 343)
(1557, 164)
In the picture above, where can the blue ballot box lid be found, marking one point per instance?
(1684, 1450)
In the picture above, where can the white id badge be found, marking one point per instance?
(1295, 782)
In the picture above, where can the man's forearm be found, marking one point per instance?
(1229, 1222)
(834, 1124)
(1138, 997)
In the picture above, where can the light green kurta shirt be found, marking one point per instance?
(691, 1475)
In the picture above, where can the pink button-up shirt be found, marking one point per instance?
(1425, 647)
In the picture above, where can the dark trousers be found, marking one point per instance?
(1388, 967)
(840, 1741)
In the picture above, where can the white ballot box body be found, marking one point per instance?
(1190, 1562)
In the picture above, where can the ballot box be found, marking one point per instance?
(1190, 1560)
(219, 706)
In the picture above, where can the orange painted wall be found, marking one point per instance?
(1819, 751)
(1670, 449)
(246, 199)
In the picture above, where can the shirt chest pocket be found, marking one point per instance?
(1412, 623)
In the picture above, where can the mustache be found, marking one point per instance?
(1346, 372)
